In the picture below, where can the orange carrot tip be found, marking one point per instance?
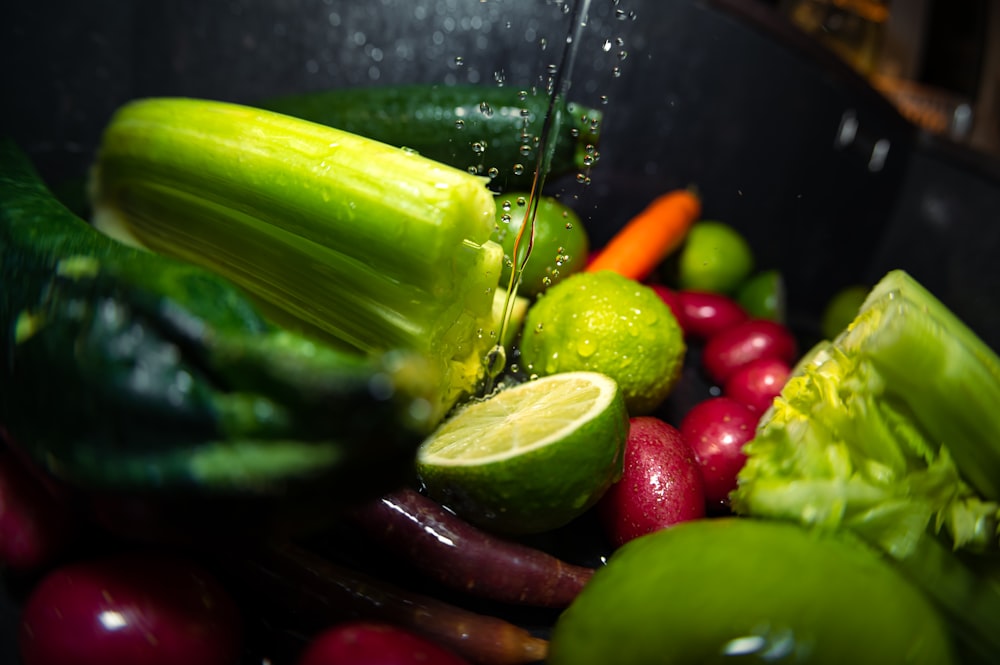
(650, 236)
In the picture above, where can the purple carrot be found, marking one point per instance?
(461, 556)
(302, 582)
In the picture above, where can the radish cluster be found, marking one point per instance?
(681, 471)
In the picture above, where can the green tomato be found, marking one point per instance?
(559, 247)
(715, 257)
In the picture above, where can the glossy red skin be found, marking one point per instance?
(758, 383)
(661, 484)
(738, 346)
(716, 430)
(705, 314)
(369, 643)
(127, 609)
(36, 520)
(671, 299)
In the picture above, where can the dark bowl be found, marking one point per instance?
(827, 180)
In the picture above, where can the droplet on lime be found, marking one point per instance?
(559, 249)
(624, 328)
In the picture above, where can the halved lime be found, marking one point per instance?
(532, 457)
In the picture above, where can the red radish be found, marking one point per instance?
(660, 485)
(703, 313)
(716, 430)
(370, 643)
(36, 520)
(130, 608)
(758, 383)
(669, 296)
(736, 347)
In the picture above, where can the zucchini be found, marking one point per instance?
(123, 370)
(486, 130)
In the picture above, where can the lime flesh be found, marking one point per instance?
(531, 457)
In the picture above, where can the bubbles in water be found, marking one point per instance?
(604, 101)
(506, 207)
(522, 95)
(525, 150)
(486, 109)
(518, 169)
(622, 55)
(616, 71)
(479, 147)
(521, 201)
(459, 61)
(505, 218)
(606, 46)
(459, 124)
(493, 172)
(583, 178)
(500, 77)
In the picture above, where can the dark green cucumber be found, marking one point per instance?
(125, 370)
(486, 130)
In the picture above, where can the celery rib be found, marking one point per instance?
(335, 234)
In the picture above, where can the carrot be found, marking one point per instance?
(447, 549)
(650, 236)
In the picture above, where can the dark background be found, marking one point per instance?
(723, 95)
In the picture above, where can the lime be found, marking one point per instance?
(714, 257)
(604, 322)
(531, 457)
(841, 309)
(762, 295)
(730, 589)
(559, 248)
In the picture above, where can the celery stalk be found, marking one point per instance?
(336, 235)
(891, 430)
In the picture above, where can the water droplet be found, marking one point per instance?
(506, 206)
(459, 124)
(521, 201)
(505, 218)
(586, 348)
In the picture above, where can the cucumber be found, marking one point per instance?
(490, 131)
(123, 370)
(728, 589)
